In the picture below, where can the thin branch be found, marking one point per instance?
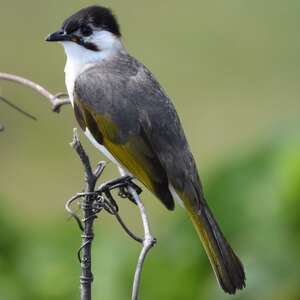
(111, 210)
(93, 201)
(89, 216)
(148, 242)
(127, 230)
(71, 212)
(17, 108)
(55, 100)
(86, 278)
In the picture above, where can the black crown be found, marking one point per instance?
(98, 16)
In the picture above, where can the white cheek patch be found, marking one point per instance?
(105, 40)
(79, 58)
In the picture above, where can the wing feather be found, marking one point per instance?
(139, 125)
(135, 154)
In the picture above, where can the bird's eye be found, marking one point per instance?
(86, 30)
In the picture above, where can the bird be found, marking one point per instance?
(127, 115)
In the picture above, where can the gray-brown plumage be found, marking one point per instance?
(125, 92)
(127, 112)
(127, 95)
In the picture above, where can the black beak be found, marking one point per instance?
(59, 36)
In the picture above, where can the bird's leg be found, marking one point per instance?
(113, 184)
(124, 192)
(122, 183)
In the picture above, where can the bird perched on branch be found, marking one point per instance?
(127, 115)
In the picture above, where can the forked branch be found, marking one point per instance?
(148, 242)
(56, 100)
(93, 201)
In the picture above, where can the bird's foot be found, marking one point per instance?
(122, 183)
(124, 191)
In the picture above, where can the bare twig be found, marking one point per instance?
(55, 100)
(148, 242)
(127, 230)
(17, 108)
(87, 236)
(71, 212)
(93, 202)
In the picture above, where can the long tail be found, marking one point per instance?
(226, 265)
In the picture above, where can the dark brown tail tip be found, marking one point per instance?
(236, 278)
(233, 289)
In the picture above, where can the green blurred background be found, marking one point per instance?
(232, 69)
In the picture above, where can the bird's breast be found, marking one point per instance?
(71, 74)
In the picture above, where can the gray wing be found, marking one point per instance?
(125, 92)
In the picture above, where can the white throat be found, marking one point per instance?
(80, 58)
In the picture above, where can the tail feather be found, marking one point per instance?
(226, 265)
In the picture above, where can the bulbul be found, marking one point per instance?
(127, 115)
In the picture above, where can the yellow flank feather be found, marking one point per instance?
(131, 159)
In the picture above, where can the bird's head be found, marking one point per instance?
(93, 28)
